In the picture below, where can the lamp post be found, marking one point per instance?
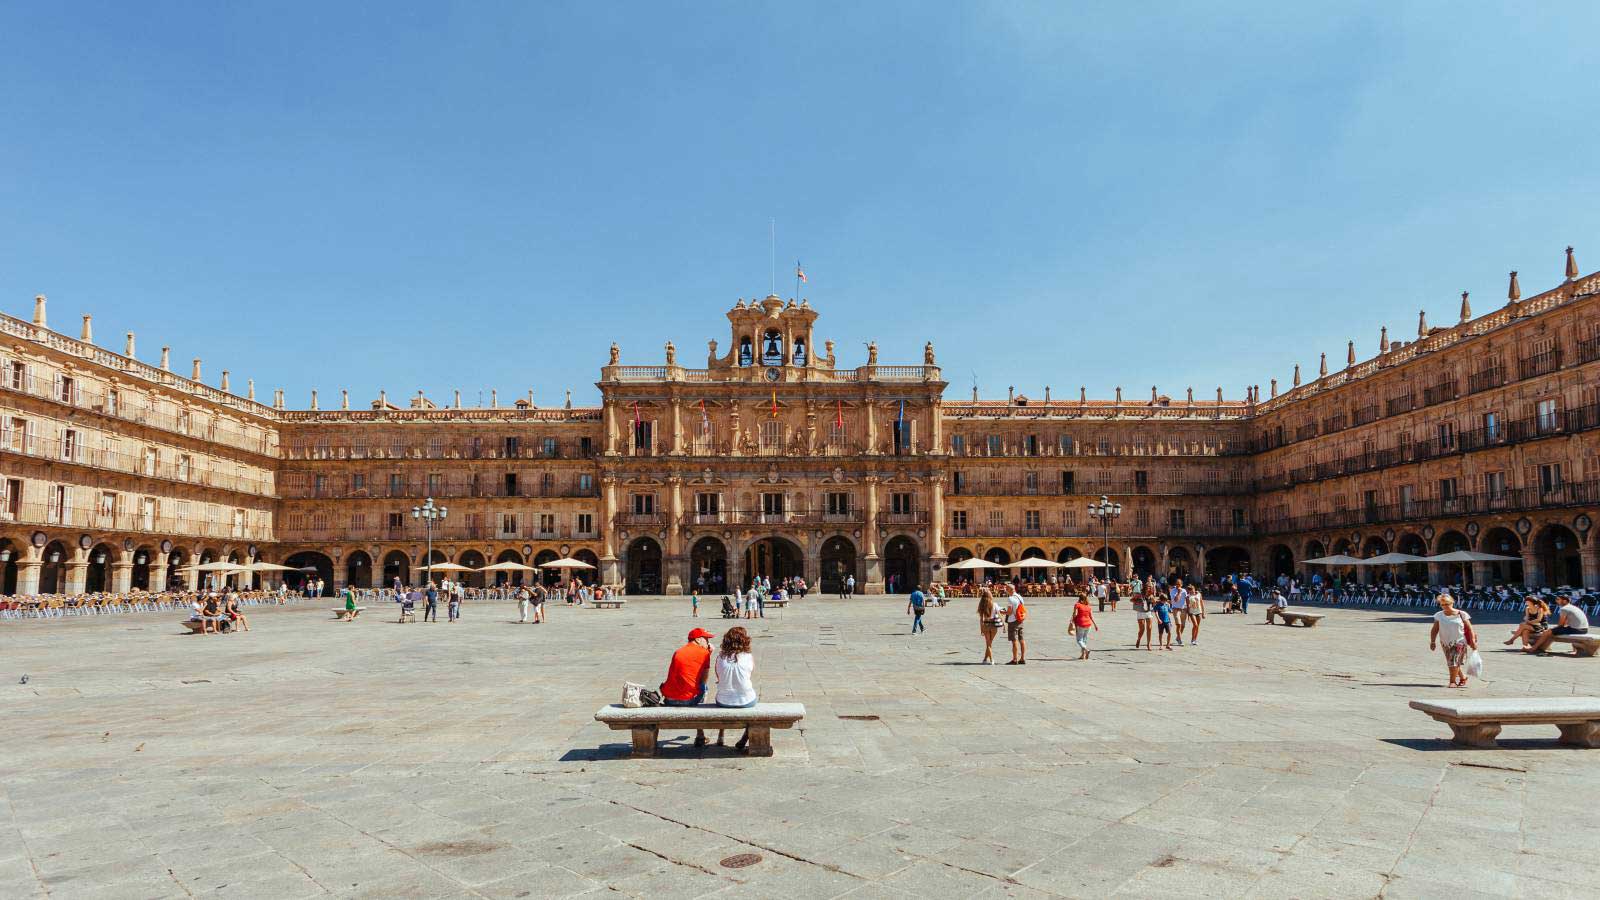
(429, 514)
(1105, 511)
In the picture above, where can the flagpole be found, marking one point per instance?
(774, 224)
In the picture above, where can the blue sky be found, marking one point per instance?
(441, 196)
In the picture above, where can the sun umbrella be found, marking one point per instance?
(1469, 556)
(269, 567)
(973, 563)
(509, 566)
(1338, 559)
(448, 567)
(1083, 562)
(1390, 559)
(221, 567)
(566, 562)
(1034, 562)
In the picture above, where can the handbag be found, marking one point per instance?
(631, 695)
(649, 697)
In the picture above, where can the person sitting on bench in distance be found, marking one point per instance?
(687, 674)
(1277, 604)
(735, 690)
(1571, 620)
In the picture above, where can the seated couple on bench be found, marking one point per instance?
(691, 667)
(213, 615)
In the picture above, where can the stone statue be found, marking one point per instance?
(927, 354)
(872, 353)
(616, 353)
(711, 352)
(672, 354)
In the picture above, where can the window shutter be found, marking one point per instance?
(57, 392)
(27, 436)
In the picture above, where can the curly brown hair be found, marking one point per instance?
(735, 641)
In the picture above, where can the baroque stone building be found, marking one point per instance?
(772, 459)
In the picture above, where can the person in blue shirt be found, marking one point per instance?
(1163, 611)
(916, 606)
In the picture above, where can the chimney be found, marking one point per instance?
(1296, 374)
(1274, 387)
(1119, 393)
(1572, 273)
(250, 388)
(314, 400)
(974, 393)
(1152, 393)
(383, 399)
(1011, 394)
(88, 329)
(1422, 324)
(277, 399)
(195, 374)
(166, 359)
(38, 311)
(1322, 369)
(1219, 393)
(1047, 395)
(1466, 308)
(1383, 339)
(569, 398)
(1191, 395)
(458, 398)
(225, 379)
(1350, 355)
(494, 398)
(530, 398)
(1514, 293)
(127, 350)
(344, 399)
(1083, 394)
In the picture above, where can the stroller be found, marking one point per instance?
(729, 611)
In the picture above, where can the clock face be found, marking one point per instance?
(772, 374)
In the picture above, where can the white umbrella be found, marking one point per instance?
(973, 563)
(269, 567)
(509, 566)
(1390, 559)
(566, 562)
(1469, 556)
(1034, 562)
(448, 567)
(1083, 562)
(221, 567)
(1338, 559)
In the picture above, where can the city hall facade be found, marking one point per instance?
(770, 456)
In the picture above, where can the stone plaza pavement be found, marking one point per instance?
(373, 759)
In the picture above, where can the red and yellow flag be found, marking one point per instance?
(774, 403)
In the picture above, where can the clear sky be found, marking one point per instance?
(439, 196)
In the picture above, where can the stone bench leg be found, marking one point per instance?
(1581, 734)
(1481, 735)
(1310, 623)
(760, 741)
(1585, 649)
(644, 741)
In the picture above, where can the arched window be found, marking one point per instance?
(799, 351)
(745, 355)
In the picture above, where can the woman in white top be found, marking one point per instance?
(1452, 632)
(735, 666)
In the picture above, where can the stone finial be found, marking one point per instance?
(1350, 355)
(1274, 387)
(127, 349)
(38, 311)
(277, 399)
(166, 359)
(458, 398)
(1422, 324)
(314, 400)
(88, 329)
(974, 393)
(1083, 394)
(250, 388)
(1011, 394)
(1383, 339)
(569, 398)
(344, 398)
(1322, 369)
(224, 379)
(1191, 395)
(1572, 266)
(1466, 307)
(1296, 374)
(1119, 393)
(1514, 292)
(1152, 393)
(194, 374)
(494, 398)
(616, 353)
(672, 354)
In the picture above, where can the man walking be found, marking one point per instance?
(849, 586)
(431, 612)
(457, 592)
(1016, 614)
(916, 607)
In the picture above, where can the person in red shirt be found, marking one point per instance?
(1082, 621)
(687, 674)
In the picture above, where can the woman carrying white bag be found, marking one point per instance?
(1453, 633)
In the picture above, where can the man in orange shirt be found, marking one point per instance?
(687, 675)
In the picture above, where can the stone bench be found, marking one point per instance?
(348, 615)
(780, 604)
(1307, 620)
(608, 603)
(1582, 644)
(1476, 722)
(645, 722)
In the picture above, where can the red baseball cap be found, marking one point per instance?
(700, 633)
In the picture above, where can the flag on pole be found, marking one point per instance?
(839, 417)
(774, 403)
(705, 421)
(799, 273)
(636, 414)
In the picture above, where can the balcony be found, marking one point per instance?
(1439, 393)
(1539, 363)
(912, 517)
(1572, 493)
(1484, 379)
(74, 452)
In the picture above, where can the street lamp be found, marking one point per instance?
(429, 513)
(1105, 511)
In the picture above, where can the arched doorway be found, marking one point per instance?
(1068, 554)
(358, 570)
(959, 554)
(513, 577)
(1222, 561)
(549, 577)
(1113, 568)
(1179, 563)
(472, 559)
(177, 580)
(53, 570)
(1280, 561)
(708, 566)
(396, 566)
(775, 558)
(1413, 544)
(1144, 562)
(8, 566)
(320, 566)
(902, 569)
(1504, 542)
(1559, 562)
(586, 576)
(1000, 557)
(644, 566)
(142, 558)
(1032, 574)
(97, 577)
(1314, 550)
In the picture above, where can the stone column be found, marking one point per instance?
(28, 571)
(736, 576)
(874, 573)
(122, 572)
(158, 573)
(77, 572)
(1199, 573)
(936, 516)
(677, 426)
(811, 564)
(872, 427)
(1589, 558)
(1125, 564)
(1532, 575)
(608, 540)
(611, 429)
(674, 562)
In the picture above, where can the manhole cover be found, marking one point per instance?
(860, 718)
(741, 860)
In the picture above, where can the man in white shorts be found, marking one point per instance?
(1180, 608)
